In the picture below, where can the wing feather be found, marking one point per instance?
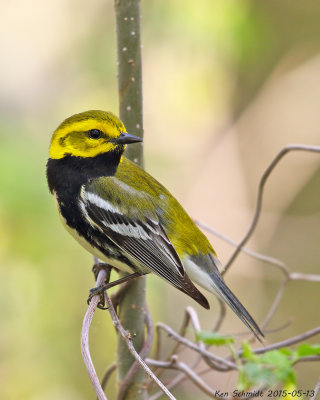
(143, 240)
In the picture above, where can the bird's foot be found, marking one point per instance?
(99, 290)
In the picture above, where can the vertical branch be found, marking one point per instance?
(130, 72)
(131, 308)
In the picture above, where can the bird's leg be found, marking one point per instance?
(102, 266)
(97, 267)
(99, 290)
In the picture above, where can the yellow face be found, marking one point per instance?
(86, 135)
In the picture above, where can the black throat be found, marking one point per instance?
(66, 175)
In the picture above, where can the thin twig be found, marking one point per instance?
(288, 276)
(275, 304)
(221, 362)
(222, 314)
(174, 382)
(183, 331)
(126, 381)
(279, 328)
(85, 340)
(266, 331)
(117, 296)
(316, 390)
(197, 328)
(296, 276)
(307, 359)
(193, 318)
(190, 315)
(263, 180)
(287, 342)
(177, 379)
(127, 338)
(249, 252)
(175, 347)
(106, 376)
(181, 366)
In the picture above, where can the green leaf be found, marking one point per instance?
(281, 365)
(286, 351)
(286, 375)
(305, 350)
(275, 358)
(213, 338)
(253, 374)
(291, 379)
(266, 369)
(244, 379)
(247, 352)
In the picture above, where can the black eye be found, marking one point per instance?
(94, 134)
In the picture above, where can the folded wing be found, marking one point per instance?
(143, 239)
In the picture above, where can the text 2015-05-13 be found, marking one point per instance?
(268, 393)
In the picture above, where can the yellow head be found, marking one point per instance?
(88, 134)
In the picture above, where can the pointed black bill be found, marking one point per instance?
(126, 138)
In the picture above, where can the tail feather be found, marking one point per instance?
(222, 290)
(204, 271)
(225, 293)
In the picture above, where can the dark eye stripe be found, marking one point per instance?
(94, 134)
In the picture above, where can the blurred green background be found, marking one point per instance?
(226, 85)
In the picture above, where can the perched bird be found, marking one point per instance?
(123, 216)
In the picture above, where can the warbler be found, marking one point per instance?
(123, 216)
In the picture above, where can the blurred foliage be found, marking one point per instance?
(267, 370)
(203, 62)
(213, 338)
